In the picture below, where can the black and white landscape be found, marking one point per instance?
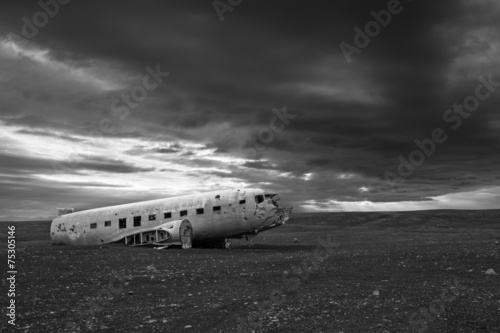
(378, 121)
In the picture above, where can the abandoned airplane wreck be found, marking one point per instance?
(211, 218)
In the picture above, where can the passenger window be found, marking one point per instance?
(200, 211)
(152, 217)
(122, 223)
(167, 215)
(216, 208)
(137, 221)
(93, 225)
(107, 223)
(242, 202)
(259, 199)
(184, 212)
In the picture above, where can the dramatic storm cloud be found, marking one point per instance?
(359, 105)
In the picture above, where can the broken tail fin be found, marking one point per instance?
(64, 211)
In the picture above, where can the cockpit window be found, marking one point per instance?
(259, 199)
(274, 197)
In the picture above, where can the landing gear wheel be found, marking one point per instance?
(227, 243)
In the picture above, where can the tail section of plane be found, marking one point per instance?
(64, 211)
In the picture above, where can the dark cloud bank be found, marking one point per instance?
(352, 123)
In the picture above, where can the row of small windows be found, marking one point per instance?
(106, 224)
(122, 223)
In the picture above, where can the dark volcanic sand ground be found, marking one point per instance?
(393, 272)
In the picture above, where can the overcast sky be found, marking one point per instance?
(109, 102)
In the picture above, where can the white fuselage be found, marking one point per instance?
(213, 215)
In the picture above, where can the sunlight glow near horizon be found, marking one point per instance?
(161, 185)
(480, 199)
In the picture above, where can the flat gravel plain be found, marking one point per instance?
(322, 272)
